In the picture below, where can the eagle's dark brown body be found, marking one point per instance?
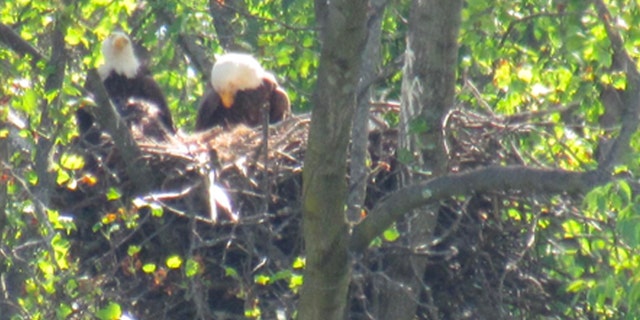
(246, 109)
(238, 93)
(131, 89)
(121, 89)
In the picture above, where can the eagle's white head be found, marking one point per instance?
(235, 72)
(117, 50)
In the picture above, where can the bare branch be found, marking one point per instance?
(532, 180)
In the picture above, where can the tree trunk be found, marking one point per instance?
(428, 92)
(358, 170)
(326, 234)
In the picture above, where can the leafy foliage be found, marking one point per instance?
(547, 61)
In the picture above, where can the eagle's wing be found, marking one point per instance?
(280, 107)
(206, 117)
(154, 94)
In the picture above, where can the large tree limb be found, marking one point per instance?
(108, 119)
(522, 178)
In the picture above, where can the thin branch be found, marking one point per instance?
(525, 19)
(17, 44)
(532, 180)
(4, 158)
(246, 14)
(196, 54)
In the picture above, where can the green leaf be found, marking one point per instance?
(281, 275)
(112, 311)
(113, 194)
(63, 311)
(133, 250)
(62, 177)
(262, 279)
(29, 102)
(391, 234)
(72, 161)
(299, 263)
(32, 177)
(156, 210)
(149, 268)
(192, 268)
(231, 272)
(296, 281)
(174, 262)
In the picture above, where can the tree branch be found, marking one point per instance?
(108, 119)
(358, 170)
(630, 96)
(532, 180)
(198, 56)
(17, 44)
(223, 14)
(44, 146)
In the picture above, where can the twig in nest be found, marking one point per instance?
(265, 152)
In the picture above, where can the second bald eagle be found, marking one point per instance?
(239, 88)
(132, 90)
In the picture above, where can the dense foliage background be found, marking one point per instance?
(539, 77)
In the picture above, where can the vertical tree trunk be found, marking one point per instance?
(327, 274)
(358, 170)
(428, 91)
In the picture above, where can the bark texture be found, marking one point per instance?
(358, 170)
(428, 91)
(326, 233)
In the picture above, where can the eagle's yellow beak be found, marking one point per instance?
(227, 98)
(120, 42)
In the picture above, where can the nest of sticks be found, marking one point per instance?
(230, 205)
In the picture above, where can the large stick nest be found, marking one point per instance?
(246, 250)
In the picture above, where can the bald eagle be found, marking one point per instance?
(127, 81)
(239, 88)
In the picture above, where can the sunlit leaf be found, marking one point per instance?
(112, 311)
(192, 268)
(133, 250)
(262, 279)
(299, 263)
(391, 234)
(174, 262)
(72, 161)
(113, 194)
(149, 268)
